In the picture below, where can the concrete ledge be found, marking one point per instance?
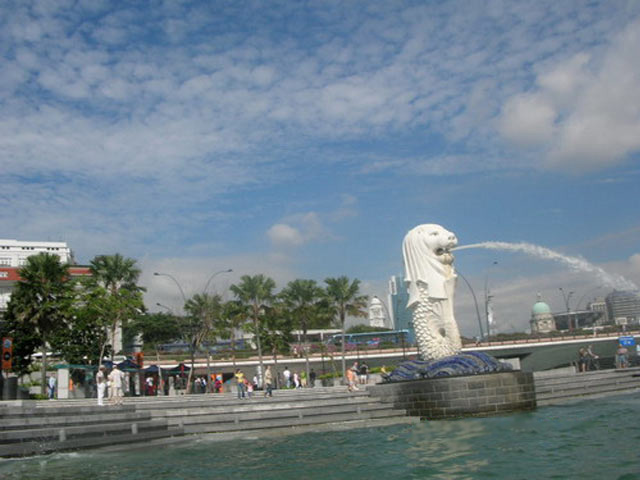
(450, 397)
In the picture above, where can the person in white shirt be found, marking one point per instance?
(116, 379)
(101, 384)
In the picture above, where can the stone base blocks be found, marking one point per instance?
(463, 396)
(38, 427)
(566, 385)
(31, 430)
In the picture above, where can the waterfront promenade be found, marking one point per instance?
(30, 427)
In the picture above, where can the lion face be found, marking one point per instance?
(439, 241)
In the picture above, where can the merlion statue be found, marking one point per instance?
(431, 280)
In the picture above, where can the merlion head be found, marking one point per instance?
(427, 259)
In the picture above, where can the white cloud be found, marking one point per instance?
(283, 235)
(585, 111)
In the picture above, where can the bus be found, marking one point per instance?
(393, 338)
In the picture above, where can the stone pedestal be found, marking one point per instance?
(62, 383)
(451, 397)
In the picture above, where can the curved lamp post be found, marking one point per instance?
(206, 287)
(567, 297)
(475, 301)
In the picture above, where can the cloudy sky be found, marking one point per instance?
(304, 139)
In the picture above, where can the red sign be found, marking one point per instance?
(7, 351)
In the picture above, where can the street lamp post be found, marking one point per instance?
(184, 298)
(475, 301)
(165, 307)
(487, 302)
(567, 298)
(206, 286)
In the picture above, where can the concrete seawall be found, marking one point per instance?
(450, 397)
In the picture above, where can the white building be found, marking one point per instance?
(377, 315)
(14, 254)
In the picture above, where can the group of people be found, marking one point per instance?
(114, 381)
(289, 379)
(587, 360)
(298, 379)
(357, 374)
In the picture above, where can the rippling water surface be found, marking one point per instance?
(595, 439)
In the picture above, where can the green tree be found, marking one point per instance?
(256, 292)
(233, 316)
(344, 299)
(118, 276)
(203, 310)
(304, 301)
(156, 329)
(276, 332)
(41, 302)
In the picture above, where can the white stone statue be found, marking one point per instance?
(431, 280)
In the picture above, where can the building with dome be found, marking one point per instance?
(542, 320)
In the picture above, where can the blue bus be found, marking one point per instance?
(371, 339)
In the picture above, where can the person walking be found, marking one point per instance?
(52, 387)
(312, 378)
(240, 383)
(101, 385)
(364, 373)
(287, 377)
(116, 381)
(268, 382)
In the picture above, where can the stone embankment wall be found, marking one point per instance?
(451, 397)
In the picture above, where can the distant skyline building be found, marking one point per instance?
(398, 300)
(623, 307)
(377, 314)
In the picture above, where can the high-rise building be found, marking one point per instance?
(398, 299)
(623, 307)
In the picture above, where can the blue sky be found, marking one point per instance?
(304, 139)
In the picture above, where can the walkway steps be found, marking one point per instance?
(568, 386)
(44, 426)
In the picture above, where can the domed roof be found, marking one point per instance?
(375, 301)
(540, 308)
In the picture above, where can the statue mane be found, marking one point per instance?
(423, 264)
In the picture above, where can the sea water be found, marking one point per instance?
(591, 439)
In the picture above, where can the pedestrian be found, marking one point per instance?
(101, 385)
(621, 356)
(296, 380)
(287, 377)
(52, 387)
(351, 379)
(268, 382)
(312, 378)
(116, 392)
(249, 386)
(240, 382)
(364, 373)
(582, 359)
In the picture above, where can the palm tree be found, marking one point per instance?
(256, 292)
(203, 310)
(303, 299)
(119, 276)
(42, 299)
(115, 272)
(276, 334)
(233, 315)
(344, 299)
